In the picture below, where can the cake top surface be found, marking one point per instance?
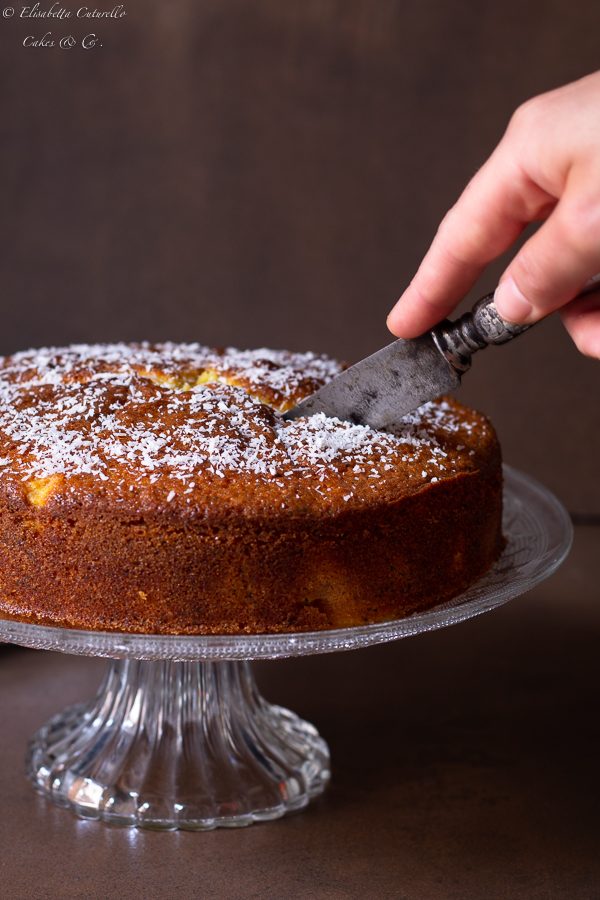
(158, 426)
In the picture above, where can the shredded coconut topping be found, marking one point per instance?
(168, 413)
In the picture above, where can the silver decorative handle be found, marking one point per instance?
(480, 327)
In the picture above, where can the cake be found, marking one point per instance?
(156, 488)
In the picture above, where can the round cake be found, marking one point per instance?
(156, 488)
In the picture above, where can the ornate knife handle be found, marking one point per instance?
(480, 327)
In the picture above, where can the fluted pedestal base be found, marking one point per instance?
(169, 745)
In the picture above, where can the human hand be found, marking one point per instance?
(546, 167)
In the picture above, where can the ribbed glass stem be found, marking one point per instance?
(179, 745)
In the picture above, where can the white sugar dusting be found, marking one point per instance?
(179, 411)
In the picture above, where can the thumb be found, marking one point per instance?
(556, 261)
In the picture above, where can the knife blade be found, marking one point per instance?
(379, 390)
(383, 387)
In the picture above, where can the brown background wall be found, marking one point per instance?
(270, 173)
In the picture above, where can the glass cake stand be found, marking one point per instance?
(178, 735)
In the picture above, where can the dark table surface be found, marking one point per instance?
(465, 764)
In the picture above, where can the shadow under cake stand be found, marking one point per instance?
(178, 735)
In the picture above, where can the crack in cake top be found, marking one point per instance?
(184, 424)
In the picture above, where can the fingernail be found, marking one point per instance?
(510, 302)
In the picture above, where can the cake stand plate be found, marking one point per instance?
(178, 735)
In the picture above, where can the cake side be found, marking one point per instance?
(157, 489)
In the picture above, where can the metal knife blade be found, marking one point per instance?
(379, 390)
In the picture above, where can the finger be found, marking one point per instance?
(554, 264)
(582, 320)
(490, 214)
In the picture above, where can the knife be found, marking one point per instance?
(379, 390)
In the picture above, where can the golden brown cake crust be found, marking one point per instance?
(156, 488)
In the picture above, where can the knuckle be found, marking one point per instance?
(533, 114)
(461, 239)
(526, 114)
(580, 225)
(447, 225)
(425, 302)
